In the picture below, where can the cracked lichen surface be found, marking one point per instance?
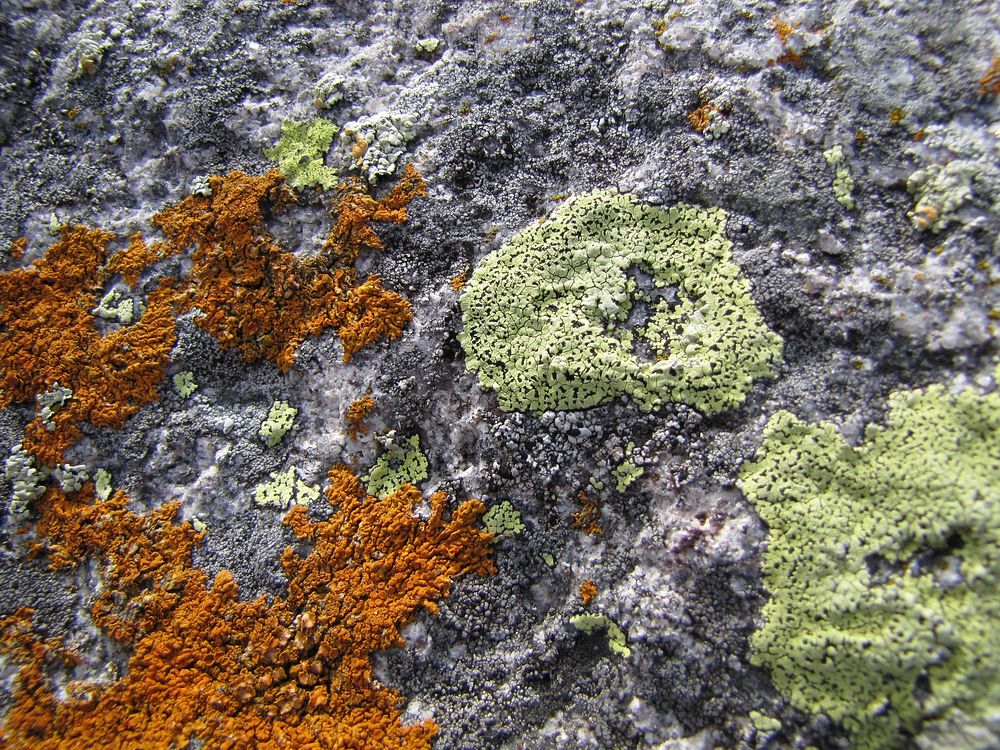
(882, 565)
(611, 297)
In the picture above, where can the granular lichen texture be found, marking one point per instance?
(261, 298)
(48, 335)
(882, 565)
(206, 667)
(610, 297)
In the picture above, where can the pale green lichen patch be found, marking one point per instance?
(503, 519)
(939, 193)
(102, 484)
(764, 723)
(52, 401)
(843, 183)
(184, 383)
(589, 622)
(112, 307)
(883, 565)
(401, 463)
(611, 297)
(300, 153)
(279, 421)
(284, 489)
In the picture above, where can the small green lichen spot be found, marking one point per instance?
(589, 622)
(102, 484)
(401, 464)
(503, 519)
(279, 421)
(763, 723)
(300, 153)
(184, 383)
(611, 297)
(883, 566)
(548, 559)
(843, 183)
(284, 489)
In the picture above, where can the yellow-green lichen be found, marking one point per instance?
(184, 383)
(883, 565)
(279, 421)
(401, 463)
(300, 153)
(503, 519)
(284, 489)
(588, 622)
(843, 183)
(611, 297)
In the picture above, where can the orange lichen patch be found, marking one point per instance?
(896, 115)
(48, 336)
(783, 29)
(356, 413)
(588, 590)
(136, 258)
(588, 518)
(262, 299)
(989, 84)
(205, 666)
(459, 281)
(17, 248)
(701, 118)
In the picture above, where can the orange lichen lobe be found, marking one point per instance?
(588, 590)
(989, 84)
(896, 115)
(588, 518)
(205, 666)
(356, 413)
(48, 335)
(458, 281)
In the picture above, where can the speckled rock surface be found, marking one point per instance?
(853, 148)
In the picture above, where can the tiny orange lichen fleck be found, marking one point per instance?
(588, 518)
(896, 115)
(207, 667)
(458, 281)
(701, 118)
(356, 413)
(989, 84)
(588, 590)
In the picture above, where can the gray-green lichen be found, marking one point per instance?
(401, 463)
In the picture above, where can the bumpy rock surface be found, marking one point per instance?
(500, 374)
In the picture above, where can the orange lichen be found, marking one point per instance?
(136, 258)
(205, 666)
(588, 518)
(701, 118)
(896, 115)
(989, 84)
(588, 590)
(459, 281)
(48, 335)
(356, 413)
(17, 248)
(784, 31)
(258, 297)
